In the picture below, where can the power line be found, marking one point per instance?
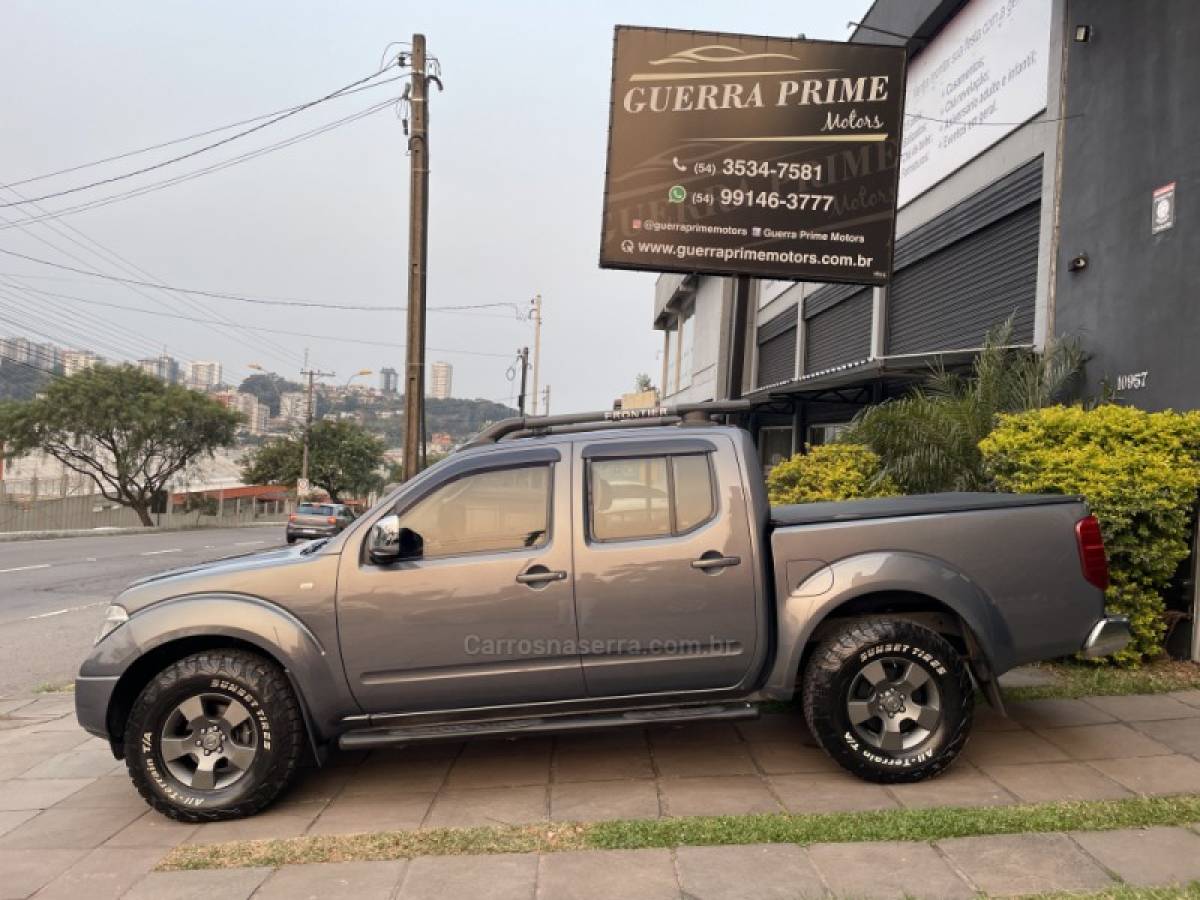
(216, 167)
(325, 337)
(191, 137)
(218, 295)
(180, 158)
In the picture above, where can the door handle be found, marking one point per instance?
(541, 575)
(713, 560)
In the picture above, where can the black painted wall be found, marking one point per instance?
(1135, 90)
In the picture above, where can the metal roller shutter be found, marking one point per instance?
(950, 299)
(838, 334)
(777, 349)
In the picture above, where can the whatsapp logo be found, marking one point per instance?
(677, 194)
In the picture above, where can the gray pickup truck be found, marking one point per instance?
(571, 573)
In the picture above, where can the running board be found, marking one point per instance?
(366, 738)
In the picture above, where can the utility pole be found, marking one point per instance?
(537, 347)
(546, 400)
(302, 486)
(523, 358)
(418, 245)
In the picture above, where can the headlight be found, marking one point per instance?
(114, 617)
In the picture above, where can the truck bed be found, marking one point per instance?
(916, 505)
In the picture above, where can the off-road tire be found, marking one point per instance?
(262, 688)
(291, 539)
(838, 664)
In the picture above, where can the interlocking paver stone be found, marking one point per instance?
(1181, 735)
(762, 871)
(87, 761)
(152, 830)
(1144, 707)
(1191, 698)
(1146, 856)
(68, 829)
(887, 869)
(1168, 774)
(607, 875)
(45, 708)
(46, 743)
(987, 719)
(728, 795)
(689, 760)
(357, 815)
(327, 881)
(1014, 864)
(790, 757)
(507, 770)
(960, 785)
(995, 748)
(8, 706)
(594, 801)
(379, 779)
(38, 793)
(830, 793)
(201, 884)
(110, 792)
(1047, 782)
(264, 826)
(24, 871)
(488, 806)
(1057, 713)
(13, 765)
(506, 876)
(104, 874)
(1114, 741)
(10, 819)
(606, 764)
(703, 734)
(789, 726)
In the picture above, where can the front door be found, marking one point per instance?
(664, 567)
(485, 616)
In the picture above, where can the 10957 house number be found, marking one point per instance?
(1132, 381)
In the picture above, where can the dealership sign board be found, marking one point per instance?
(771, 157)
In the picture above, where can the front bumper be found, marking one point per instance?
(1107, 637)
(92, 696)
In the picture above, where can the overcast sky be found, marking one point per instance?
(517, 151)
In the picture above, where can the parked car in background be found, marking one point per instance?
(314, 520)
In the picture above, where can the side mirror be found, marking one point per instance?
(389, 541)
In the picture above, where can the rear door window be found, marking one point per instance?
(649, 496)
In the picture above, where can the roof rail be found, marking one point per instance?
(678, 414)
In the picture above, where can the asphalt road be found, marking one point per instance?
(53, 592)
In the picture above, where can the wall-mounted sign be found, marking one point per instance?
(1162, 208)
(978, 80)
(772, 157)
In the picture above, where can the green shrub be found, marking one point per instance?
(829, 472)
(1140, 473)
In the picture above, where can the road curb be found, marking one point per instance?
(13, 537)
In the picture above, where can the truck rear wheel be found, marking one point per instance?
(889, 700)
(216, 735)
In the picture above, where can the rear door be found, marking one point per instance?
(665, 582)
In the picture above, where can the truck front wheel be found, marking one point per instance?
(216, 735)
(888, 699)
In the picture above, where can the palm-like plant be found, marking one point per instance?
(928, 441)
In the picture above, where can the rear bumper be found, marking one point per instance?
(312, 531)
(92, 696)
(1107, 636)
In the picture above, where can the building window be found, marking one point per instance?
(774, 445)
(649, 497)
(687, 341)
(826, 434)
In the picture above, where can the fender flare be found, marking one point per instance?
(820, 594)
(316, 674)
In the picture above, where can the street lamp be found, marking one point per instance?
(356, 375)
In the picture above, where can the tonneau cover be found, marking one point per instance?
(916, 505)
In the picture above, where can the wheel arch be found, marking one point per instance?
(908, 585)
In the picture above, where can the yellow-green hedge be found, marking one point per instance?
(1140, 473)
(829, 472)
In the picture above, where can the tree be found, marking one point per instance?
(929, 440)
(268, 387)
(125, 429)
(343, 458)
(643, 382)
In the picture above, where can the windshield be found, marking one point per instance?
(316, 509)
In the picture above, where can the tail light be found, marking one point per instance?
(1092, 557)
(332, 520)
(292, 517)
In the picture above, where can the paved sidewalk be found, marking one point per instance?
(68, 812)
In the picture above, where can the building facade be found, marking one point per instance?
(164, 367)
(203, 376)
(389, 381)
(74, 361)
(440, 375)
(293, 407)
(1040, 140)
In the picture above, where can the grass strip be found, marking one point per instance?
(1129, 892)
(1074, 680)
(808, 828)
